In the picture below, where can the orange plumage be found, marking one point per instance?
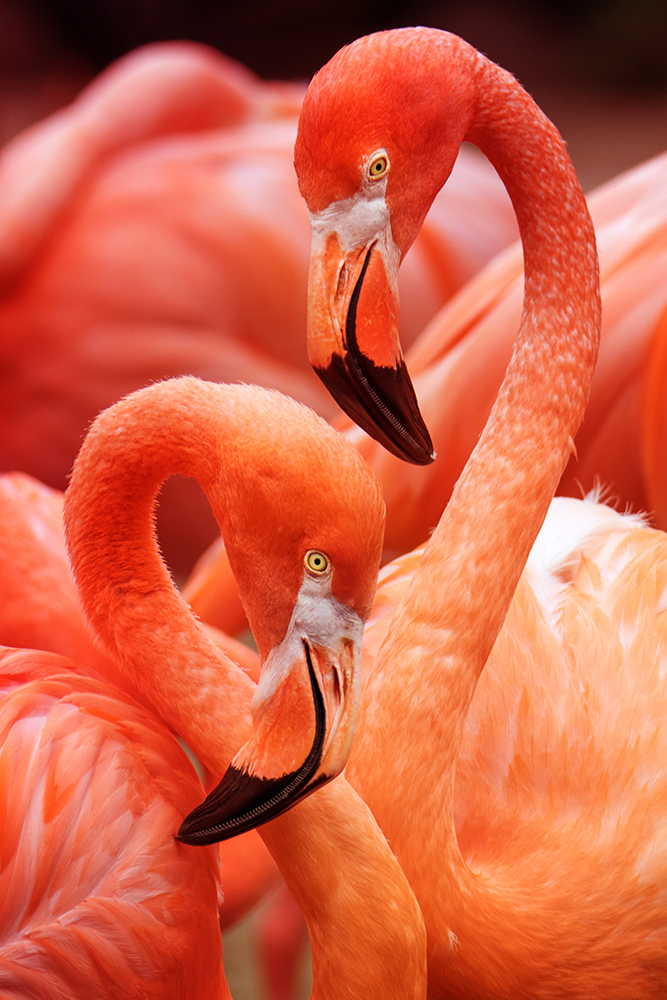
(97, 898)
(550, 881)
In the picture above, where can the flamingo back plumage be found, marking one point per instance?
(97, 899)
(560, 776)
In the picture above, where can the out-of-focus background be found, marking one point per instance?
(597, 67)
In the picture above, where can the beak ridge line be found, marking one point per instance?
(377, 384)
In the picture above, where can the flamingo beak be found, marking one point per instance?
(304, 716)
(353, 342)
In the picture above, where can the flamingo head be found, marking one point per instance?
(377, 139)
(305, 548)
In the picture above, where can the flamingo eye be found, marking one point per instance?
(316, 562)
(378, 165)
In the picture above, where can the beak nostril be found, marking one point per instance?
(342, 282)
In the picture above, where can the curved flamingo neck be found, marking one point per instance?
(501, 499)
(191, 428)
(279, 480)
(445, 628)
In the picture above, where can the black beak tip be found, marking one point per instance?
(381, 399)
(243, 801)
(240, 802)
(364, 395)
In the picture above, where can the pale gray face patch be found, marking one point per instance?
(319, 619)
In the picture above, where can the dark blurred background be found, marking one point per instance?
(597, 67)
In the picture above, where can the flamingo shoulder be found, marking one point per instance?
(97, 898)
(564, 740)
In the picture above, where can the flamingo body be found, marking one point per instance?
(558, 799)
(98, 899)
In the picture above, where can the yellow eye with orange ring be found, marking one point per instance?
(378, 165)
(316, 562)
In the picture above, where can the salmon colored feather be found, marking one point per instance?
(97, 899)
(551, 881)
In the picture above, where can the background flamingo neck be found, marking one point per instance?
(443, 632)
(125, 589)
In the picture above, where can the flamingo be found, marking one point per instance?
(39, 609)
(155, 228)
(555, 884)
(459, 360)
(330, 850)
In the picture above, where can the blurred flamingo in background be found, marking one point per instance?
(654, 414)
(39, 603)
(154, 228)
